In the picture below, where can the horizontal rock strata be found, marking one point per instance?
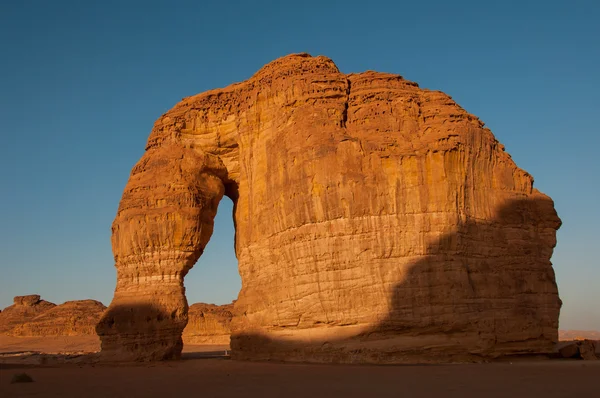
(24, 309)
(32, 316)
(73, 318)
(375, 222)
(208, 324)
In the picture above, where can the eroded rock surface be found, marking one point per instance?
(163, 223)
(581, 349)
(375, 221)
(208, 324)
(73, 318)
(32, 316)
(24, 309)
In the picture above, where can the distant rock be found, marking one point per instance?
(208, 324)
(564, 335)
(24, 309)
(32, 316)
(27, 301)
(73, 318)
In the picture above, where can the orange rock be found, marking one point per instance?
(73, 318)
(587, 350)
(31, 316)
(24, 309)
(208, 324)
(375, 221)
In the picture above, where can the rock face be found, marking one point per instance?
(24, 309)
(375, 221)
(73, 318)
(31, 316)
(30, 301)
(208, 324)
(582, 349)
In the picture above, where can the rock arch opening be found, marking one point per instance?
(213, 285)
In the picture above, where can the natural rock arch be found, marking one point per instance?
(342, 185)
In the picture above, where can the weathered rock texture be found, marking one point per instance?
(24, 309)
(375, 221)
(31, 316)
(208, 324)
(73, 318)
(582, 349)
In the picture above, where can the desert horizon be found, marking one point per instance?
(217, 328)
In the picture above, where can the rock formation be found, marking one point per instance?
(375, 221)
(24, 309)
(73, 318)
(581, 349)
(31, 316)
(208, 324)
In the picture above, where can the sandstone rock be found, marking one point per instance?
(24, 309)
(73, 318)
(375, 221)
(587, 350)
(27, 301)
(162, 225)
(569, 350)
(583, 349)
(208, 324)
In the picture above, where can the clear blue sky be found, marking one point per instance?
(81, 83)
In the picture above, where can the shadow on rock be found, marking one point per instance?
(141, 332)
(483, 291)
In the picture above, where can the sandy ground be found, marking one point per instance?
(205, 371)
(78, 350)
(75, 345)
(51, 344)
(226, 378)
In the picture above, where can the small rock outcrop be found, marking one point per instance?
(32, 316)
(24, 309)
(208, 324)
(376, 221)
(580, 349)
(73, 318)
(29, 301)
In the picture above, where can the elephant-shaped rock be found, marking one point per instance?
(375, 221)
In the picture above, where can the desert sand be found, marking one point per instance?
(214, 377)
(74, 345)
(206, 370)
